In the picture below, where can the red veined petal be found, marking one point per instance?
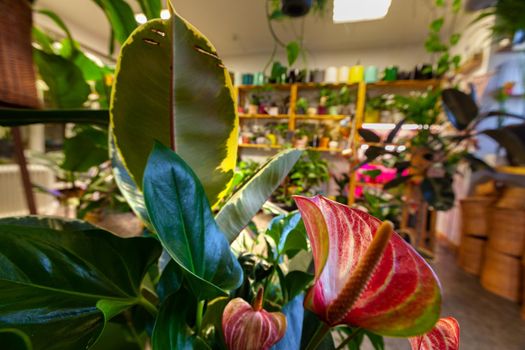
(444, 336)
(402, 298)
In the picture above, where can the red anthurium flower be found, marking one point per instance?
(444, 336)
(396, 292)
(251, 327)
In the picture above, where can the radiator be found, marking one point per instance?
(12, 199)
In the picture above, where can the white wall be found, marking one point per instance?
(406, 57)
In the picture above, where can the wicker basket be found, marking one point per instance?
(471, 254)
(17, 84)
(507, 231)
(502, 275)
(474, 215)
(512, 198)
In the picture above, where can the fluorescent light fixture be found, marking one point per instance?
(165, 14)
(346, 11)
(141, 18)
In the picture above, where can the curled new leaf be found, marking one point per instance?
(401, 298)
(444, 336)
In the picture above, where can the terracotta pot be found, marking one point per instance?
(324, 142)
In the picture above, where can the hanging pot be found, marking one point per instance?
(296, 8)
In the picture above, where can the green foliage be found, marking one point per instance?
(292, 52)
(420, 108)
(179, 211)
(44, 275)
(509, 18)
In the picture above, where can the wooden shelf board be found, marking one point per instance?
(319, 117)
(319, 149)
(514, 170)
(366, 184)
(406, 84)
(251, 145)
(264, 116)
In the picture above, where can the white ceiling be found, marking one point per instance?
(238, 27)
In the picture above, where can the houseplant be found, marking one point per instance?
(69, 285)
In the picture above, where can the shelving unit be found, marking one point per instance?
(355, 141)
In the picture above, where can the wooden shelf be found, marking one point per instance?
(325, 85)
(406, 84)
(320, 117)
(514, 170)
(264, 116)
(319, 149)
(366, 184)
(251, 145)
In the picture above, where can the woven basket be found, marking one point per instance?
(471, 254)
(507, 231)
(512, 198)
(502, 275)
(474, 215)
(17, 76)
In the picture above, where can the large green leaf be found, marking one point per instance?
(60, 281)
(171, 330)
(288, 233)
(246, 202)
(151, 8)
(181, 215)
(67, 88)
(121, 17)
(88, 148)
(170, 86)
(129, 190)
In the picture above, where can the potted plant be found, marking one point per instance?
(255, 102)
(301, 105)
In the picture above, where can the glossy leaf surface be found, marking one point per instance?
(444, 336)
(19, 116)
(171, 330)
(248, 200)
(181, 215)
(288, 233)
(61, 280)
(294, 313)
(460, 108)
(14, 339)
(171, 86)
(402, 297)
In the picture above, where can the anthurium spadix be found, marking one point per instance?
(251, 327)
(444, 336)
(400, 296)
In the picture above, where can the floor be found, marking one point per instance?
(487, 322)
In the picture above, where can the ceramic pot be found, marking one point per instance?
(253, 109)
(371, 74)
(331, 75)
(311, 111)
(357, 74)
(333, 110)
(247, 79)
(391, 73)
(333, 144)
(317, 76)
(273, 110)
(343, 74)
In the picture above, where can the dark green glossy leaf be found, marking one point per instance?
(310, 325)
(88, 148)
(189, 108)
(129, 190)
(248, 200)
(181, 215)
(512, 138)
(292, 52)
(377, 341)
(121, 17)
(296, 282)
(170, 280)
(288, 233)
(14, 339)
(396, 182)
(42, 39)
(118, 337)
(18, 116)
(374, 152)
(460, 108)
(477, 164)
(171, 330)
(393, 133)
(294, 312)
(151, 8)
(369, 135)
(60, 281)
(67, 88)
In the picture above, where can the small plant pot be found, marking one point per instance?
(333, 144)
(333, 110)
(323, 143)
(253, 109)
(301, 142)
(273, 110)
(311, 111)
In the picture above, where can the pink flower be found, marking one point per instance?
(246, 327)
(444, 336)
(396, 292)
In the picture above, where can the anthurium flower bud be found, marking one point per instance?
(444, 336)
(248, 327)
